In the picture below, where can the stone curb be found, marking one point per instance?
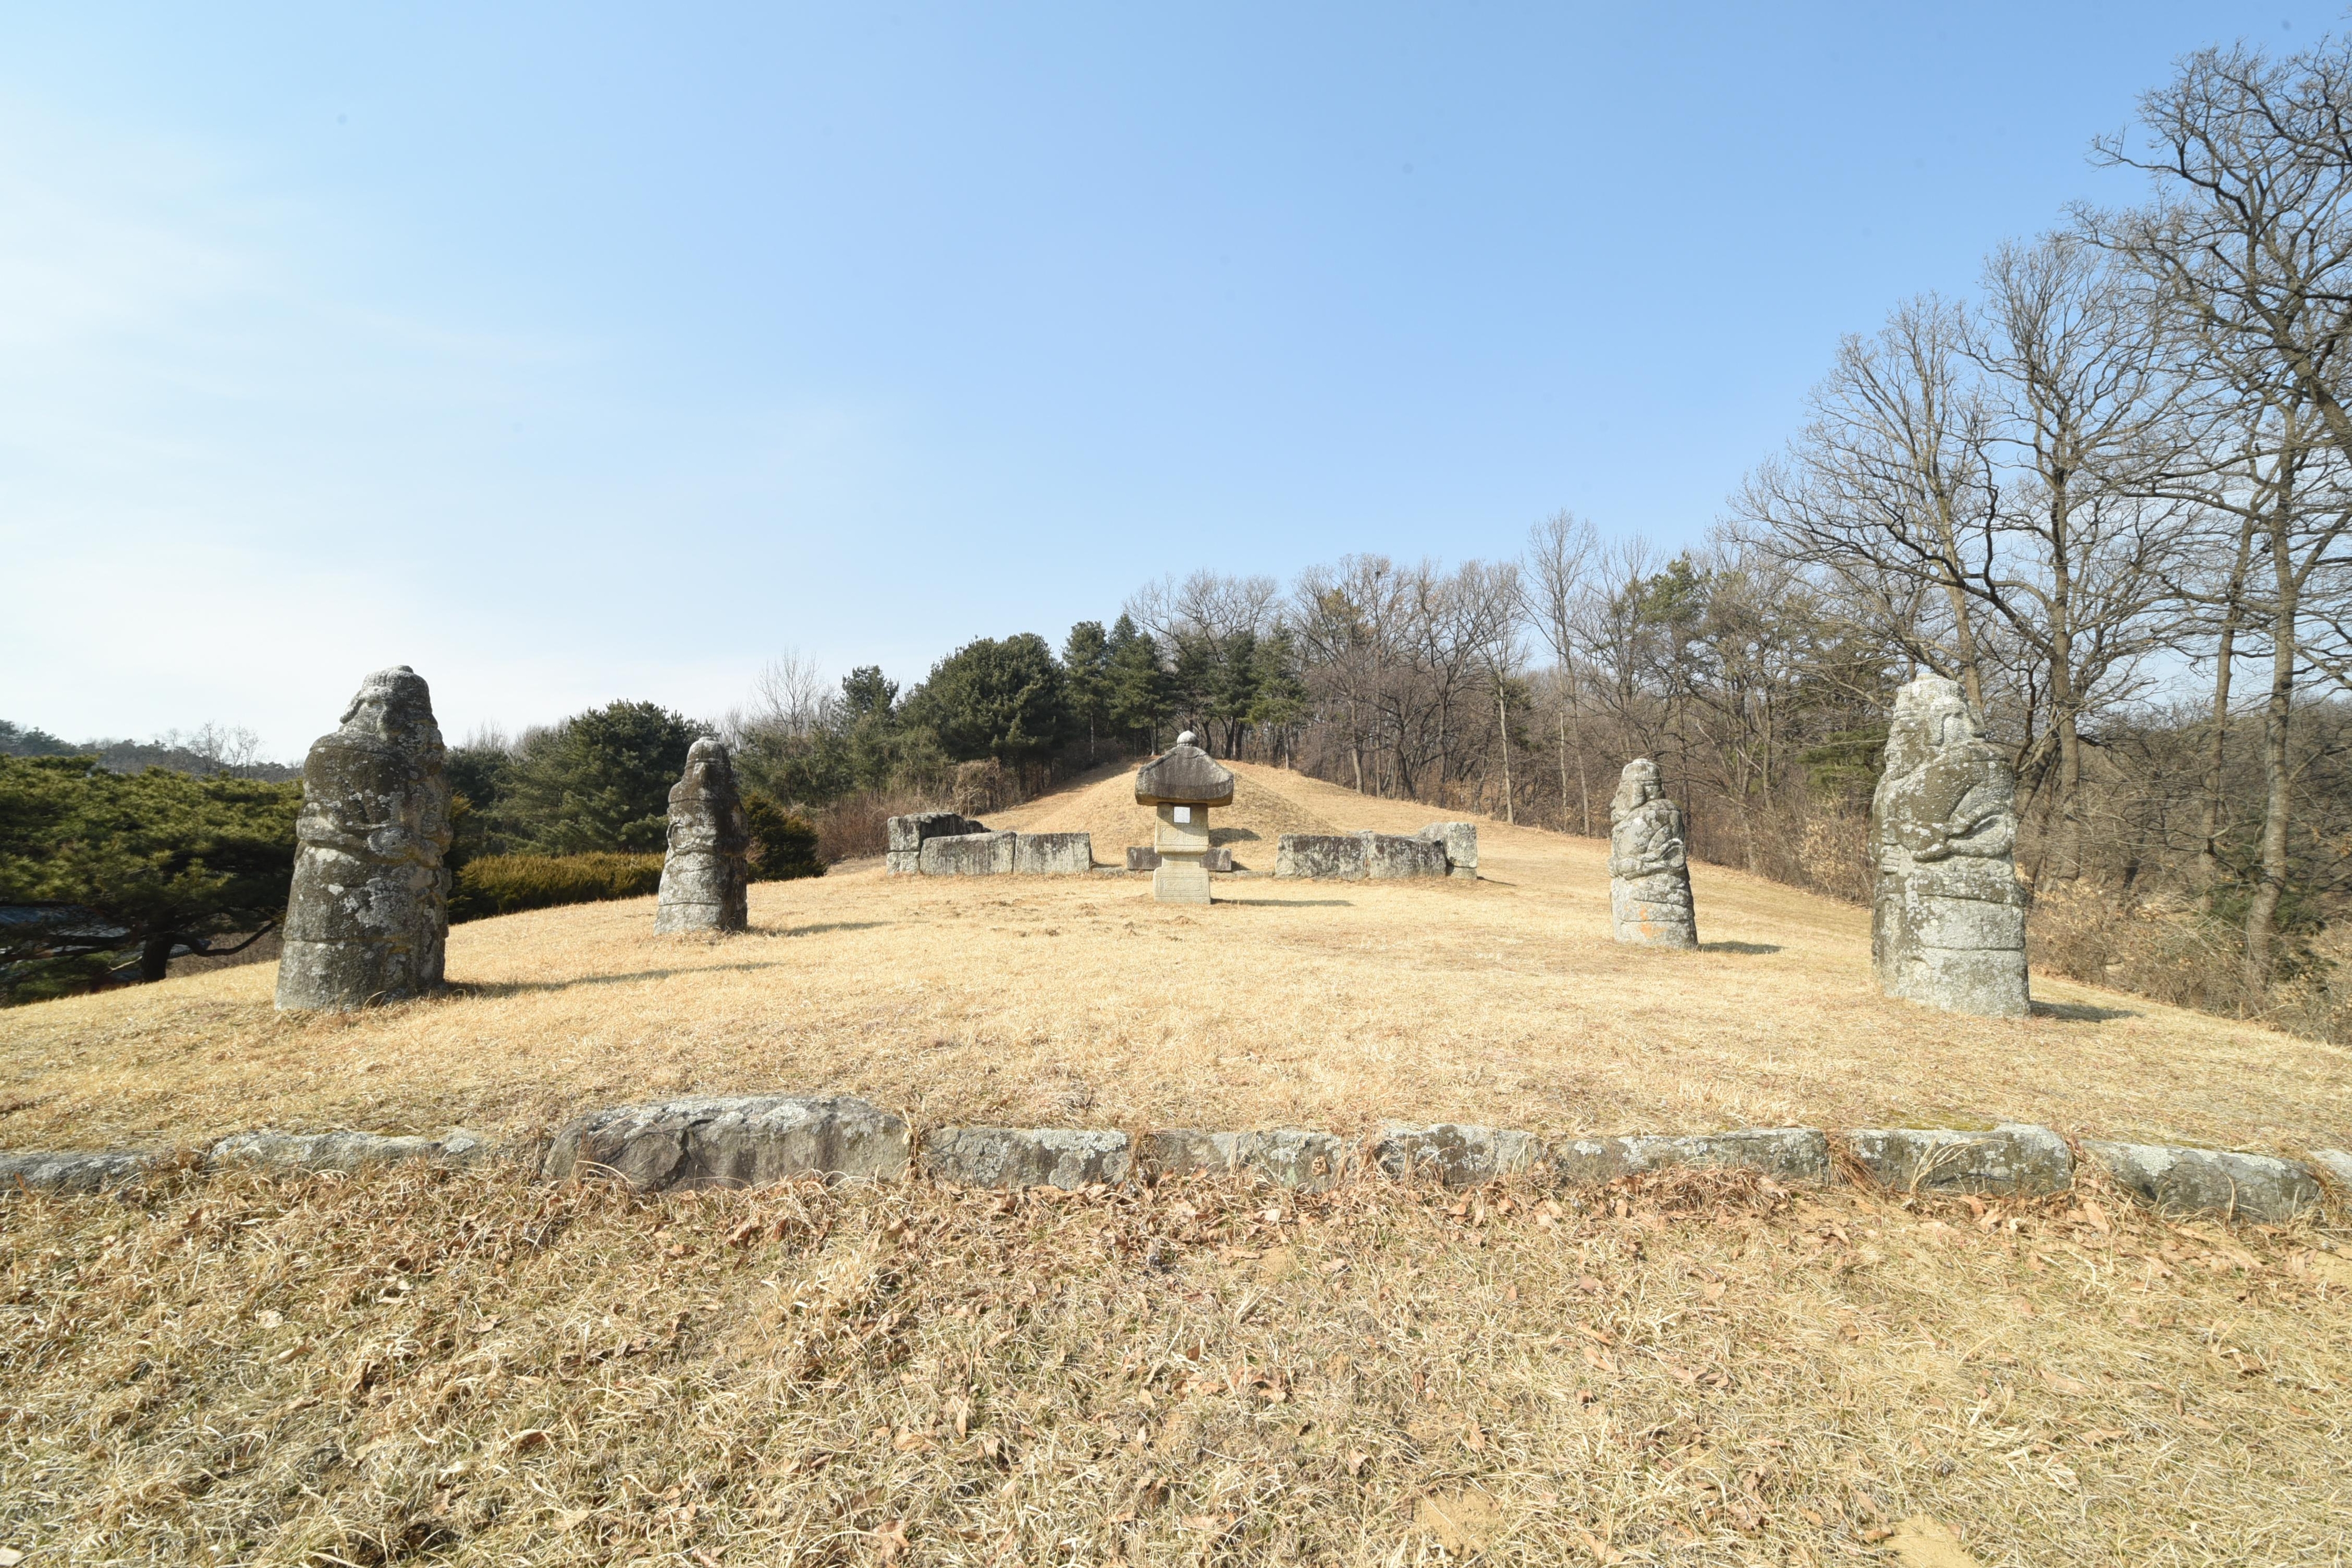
(753, 1140)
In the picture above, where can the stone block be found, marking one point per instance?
(1286, 1156)
(1461, 841)
(906, 833)
(1181, 878)
(1339, 855)
(902, 863)
(1456, 1154)
(1053, 854)
(732, 1142)
(73, 1170)
(1011, 1158)
(340, 1151)
(2209, 1181)
(2014, 1159)
(2336, 1166)
(1787, 1154)
(1142, 857)
(969, 854)
(1218, 860)
(1391, 855)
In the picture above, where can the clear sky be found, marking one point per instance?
(581, 352)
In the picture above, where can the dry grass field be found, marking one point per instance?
(416, 1366)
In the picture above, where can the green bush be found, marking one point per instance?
(783, 843)
(503, 884)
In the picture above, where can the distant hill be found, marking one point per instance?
(210, 750)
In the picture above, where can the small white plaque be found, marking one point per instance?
(1184, 813)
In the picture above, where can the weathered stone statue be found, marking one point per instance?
(704, 877)
(369, 915)
(1183, 782)
(1649, 863)
(1948, 917)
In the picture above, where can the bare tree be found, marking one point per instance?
(1561, 550)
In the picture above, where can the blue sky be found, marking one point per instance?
(578, 352)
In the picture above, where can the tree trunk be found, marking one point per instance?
(1503, 719)
(2209, 818)
(156, 958)
(2261, 911)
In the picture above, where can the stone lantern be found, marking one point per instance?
(1183, 783)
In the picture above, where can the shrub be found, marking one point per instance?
(783, 843)
(504, 884)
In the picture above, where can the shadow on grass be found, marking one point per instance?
(522, 987)
(2080, 1012)
(818, 930)
(1740, 947)
(1292, 903)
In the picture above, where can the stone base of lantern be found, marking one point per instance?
(1181, 878)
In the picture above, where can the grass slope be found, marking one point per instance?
(413, 1366)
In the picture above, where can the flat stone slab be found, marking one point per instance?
(1461, 841)
(74, 1170)
(1013, 1157)
(340, 1151)
(2014, 1159)
(732, 1142)
(1339, 855)
(1790, 1154)
(1456, 1154)
(968, 854)
(1390, 855)
(2209, 1181)
(1286, 1156)
(1053, 854)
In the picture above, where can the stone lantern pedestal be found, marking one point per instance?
(1182, 785)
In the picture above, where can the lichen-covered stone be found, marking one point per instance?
(74, 1170)
(341, 1151)
(732, 1142)
(905, 836)
(1456, 1154)
(1461, 841)
(368, 916)
(1947, 916)
(1053, 854)
(705, 877)
(1789, 1154)
(1013, 1157)
(2335, 1165)
(1183, 775)
(969, 854)
(2209, 1181)
(1649, 863)
(1286, 1156)
(1393, 855)
(1336, 855)
(2014, 1159)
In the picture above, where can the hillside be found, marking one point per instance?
(414, 1364)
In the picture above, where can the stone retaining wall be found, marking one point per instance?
(753, 1140)
(941, 843)
(1356, 857)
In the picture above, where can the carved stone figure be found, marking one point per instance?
(369, 915)
(1649, 865)
(1947, 918)
(704, 876)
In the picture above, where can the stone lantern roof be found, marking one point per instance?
(1183, 775)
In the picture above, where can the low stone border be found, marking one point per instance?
(753, 1140)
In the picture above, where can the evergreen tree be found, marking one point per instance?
(600, 780)
(1086, 680)
(110, 866)
(1139, 686)
(991, 698)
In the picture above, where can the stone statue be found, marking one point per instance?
(369, 915)
(703, 880)
(1649, 865)
(1947, 916)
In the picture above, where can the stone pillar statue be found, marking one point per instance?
(703, 880)
(1947, 916)
(369, 915)
(1184, 782)
(1649, 865)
